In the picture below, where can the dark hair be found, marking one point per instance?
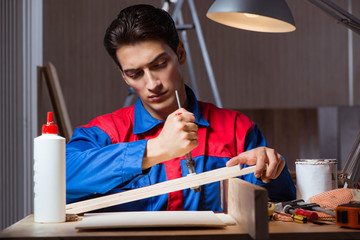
(138, 23)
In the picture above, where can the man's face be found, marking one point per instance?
(152, 69)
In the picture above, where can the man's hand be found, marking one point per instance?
(178, 137)
(269, 163)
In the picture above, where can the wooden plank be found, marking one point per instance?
(158, 189)
(150, 219)
(58, 101)
(247, 204)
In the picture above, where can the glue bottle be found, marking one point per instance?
(49, 175)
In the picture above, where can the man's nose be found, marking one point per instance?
(152, 82)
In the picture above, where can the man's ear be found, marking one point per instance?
(181, 53)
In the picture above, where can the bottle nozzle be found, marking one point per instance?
(49, 118)
(49, 127)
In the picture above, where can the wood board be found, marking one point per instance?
(247, 204)
(154, 219)
(57, 98)
(158, 189)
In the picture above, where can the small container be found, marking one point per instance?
(314, 176)
(49, 175)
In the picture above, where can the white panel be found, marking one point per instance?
(21, 52)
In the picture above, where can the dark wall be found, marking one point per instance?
(301, 70)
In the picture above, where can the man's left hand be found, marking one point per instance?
(269, 163)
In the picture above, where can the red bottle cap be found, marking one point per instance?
(50, 127)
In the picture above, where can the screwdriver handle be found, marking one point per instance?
(312, 216)
(299, 219)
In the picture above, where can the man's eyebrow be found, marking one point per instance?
(152, 61)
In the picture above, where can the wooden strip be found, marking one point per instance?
(158, 189)
(247, 204)
(57, 100)
(153, 219)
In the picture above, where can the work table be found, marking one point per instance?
(28, 229)
(245, 203)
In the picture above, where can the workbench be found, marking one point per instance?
(245, 203)
(27, 229)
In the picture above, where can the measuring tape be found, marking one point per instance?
(271, 208)
(348, 215)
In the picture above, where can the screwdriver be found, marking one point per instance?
(294, 217)
(312, 216)
(190, 163)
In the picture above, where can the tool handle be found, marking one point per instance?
(299, 219)
(312, 216)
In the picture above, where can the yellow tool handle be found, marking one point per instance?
(299, 219)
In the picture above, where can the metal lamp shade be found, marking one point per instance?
(254, 15)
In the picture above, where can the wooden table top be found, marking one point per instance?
(28, 229)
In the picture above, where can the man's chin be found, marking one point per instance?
(159, 110)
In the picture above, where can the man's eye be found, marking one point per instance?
(160, 64)
(134, 75)
(163, 63)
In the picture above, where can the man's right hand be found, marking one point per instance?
(178, 137)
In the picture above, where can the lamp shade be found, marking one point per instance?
(254, 15)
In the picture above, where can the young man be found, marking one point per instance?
(146, 143)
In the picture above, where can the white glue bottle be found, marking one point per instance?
(49, 175)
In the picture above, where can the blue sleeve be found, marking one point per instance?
(95, 166)
(280, 189)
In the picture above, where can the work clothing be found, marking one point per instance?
(105, 157)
